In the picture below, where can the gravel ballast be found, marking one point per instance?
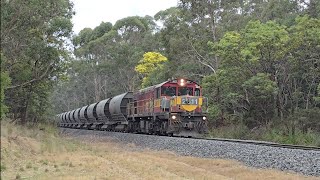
(306, 162)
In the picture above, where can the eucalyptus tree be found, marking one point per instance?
(267, 72)
(105, 60)
(33, 39)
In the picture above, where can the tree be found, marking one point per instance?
(151, 62)
(267, 72)
(5, 82)
(101, 60)
(33, 38)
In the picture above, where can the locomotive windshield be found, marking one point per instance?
(185, 91)
(168, 91)
(197, 92)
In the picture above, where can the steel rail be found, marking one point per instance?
(264, 143)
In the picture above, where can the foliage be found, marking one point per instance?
(277, 134)
(317, 98)
(5, 82)
(33, 39)
(151, 62)
(257, 80)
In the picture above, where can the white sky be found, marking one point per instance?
(90, 13)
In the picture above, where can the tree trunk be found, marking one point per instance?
(25, 114)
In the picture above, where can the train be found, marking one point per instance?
(175, 107)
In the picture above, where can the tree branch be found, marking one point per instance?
(33, 80)
(200, 61)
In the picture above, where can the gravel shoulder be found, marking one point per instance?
(306, 162)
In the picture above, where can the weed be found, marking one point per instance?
(71, 165)
(64, 164)
(55, 166)
(35, 168)
(28, 166)
(21, 169)
(232, 131)
(279, 134)
(2, 167)
(44, 162)
(46, 170)
(18, 176)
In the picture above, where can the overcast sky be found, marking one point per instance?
(90, 13)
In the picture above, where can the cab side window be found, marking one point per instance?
(157, 95)
(168, 91)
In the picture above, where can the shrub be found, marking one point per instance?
(28, 166)
(2, 167)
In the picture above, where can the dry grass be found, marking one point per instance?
(33, 154)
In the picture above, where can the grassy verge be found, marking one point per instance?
(279, 135)
(31, 153)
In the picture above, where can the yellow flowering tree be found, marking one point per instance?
(151, 62)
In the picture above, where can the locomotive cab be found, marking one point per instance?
(181, 95)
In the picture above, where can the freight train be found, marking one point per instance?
(174, 107)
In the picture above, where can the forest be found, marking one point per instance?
(258, 62)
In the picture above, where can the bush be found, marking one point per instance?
(308, 119)
(28, 166)
(4, 83)
(278, 134)
(238, 131)
(2, 167)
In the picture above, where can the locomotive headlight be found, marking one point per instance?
(204, 118)
(182, 82)
(174, 117)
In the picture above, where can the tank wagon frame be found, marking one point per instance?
(174, 107)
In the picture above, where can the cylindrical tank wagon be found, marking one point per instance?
(92, 115)
(118, 111)
(76, 118)
(103, 114)
(71, 117)
(83, 117)
(67, 119)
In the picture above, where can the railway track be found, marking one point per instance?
(261, 143)
(265, 143)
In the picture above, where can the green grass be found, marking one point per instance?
(2, 167)
(279, 135)
(231, 132)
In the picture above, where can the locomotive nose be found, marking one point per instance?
(189, 107)
(189, 103)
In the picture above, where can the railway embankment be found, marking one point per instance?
(306, 162)
(42, 152)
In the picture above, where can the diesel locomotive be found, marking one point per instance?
(174, 107)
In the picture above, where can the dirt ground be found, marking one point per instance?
(40, 156)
